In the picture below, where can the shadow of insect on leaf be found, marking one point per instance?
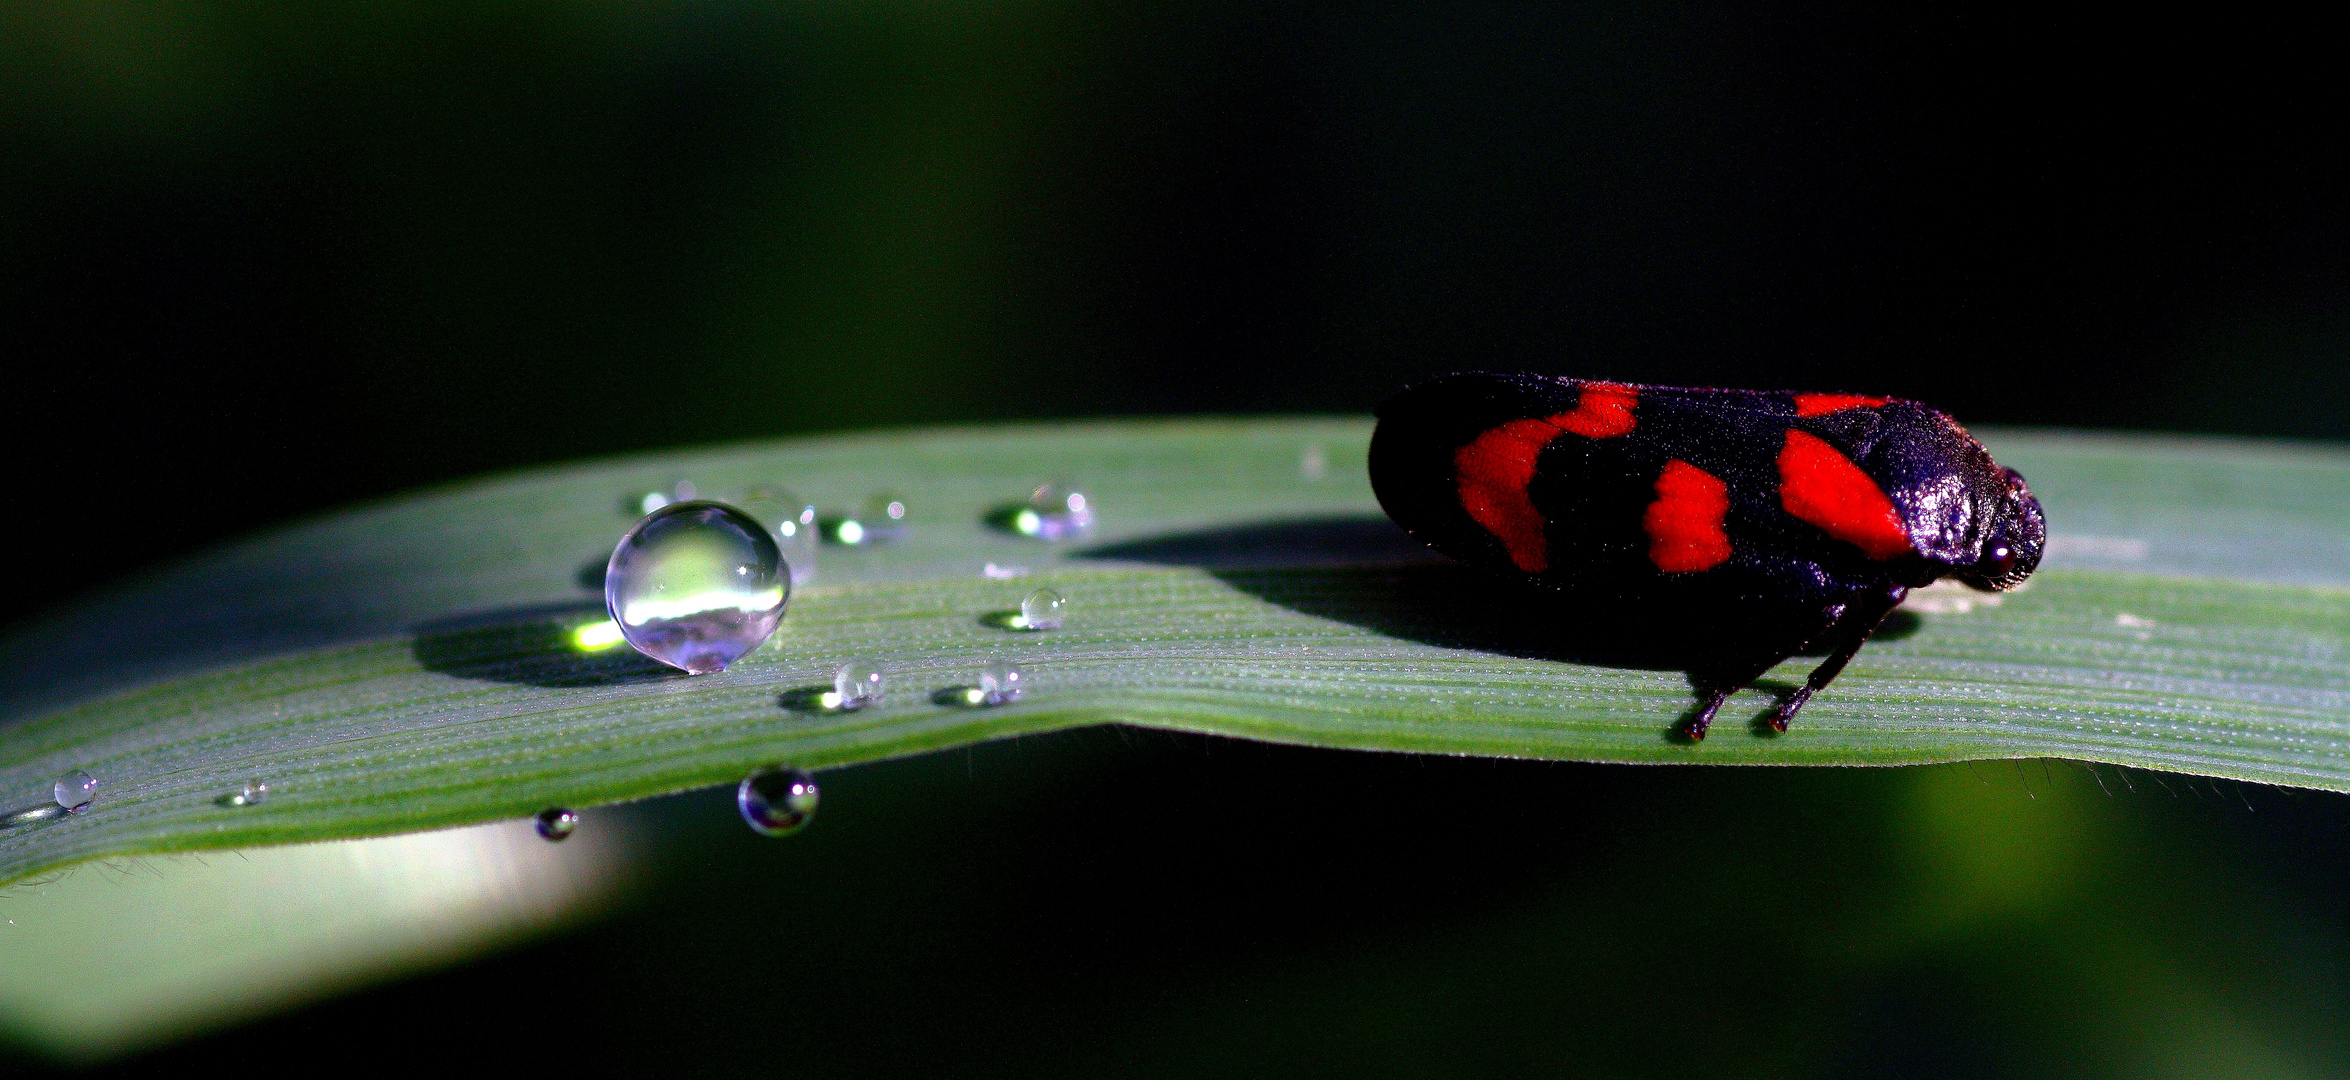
(534, 646)
(1367, 572)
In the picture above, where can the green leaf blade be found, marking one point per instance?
(407, 666)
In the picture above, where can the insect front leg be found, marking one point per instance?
(1860, 620)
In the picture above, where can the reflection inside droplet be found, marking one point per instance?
(777, 801)
(696, 585)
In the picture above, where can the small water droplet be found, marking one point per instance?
(884, 521)
(858, 684)
(253, 793)
(557, 823)
(645, 502)
(1314, 464)
(793, 522)
(1055, 511)
(845, 531)
(777, 801)
(1000, 684)
(1043, 610)
(74, 790)
(696, 585)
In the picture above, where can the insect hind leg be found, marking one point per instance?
(1847, 623)
(1715, 688)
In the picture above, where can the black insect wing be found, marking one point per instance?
(1729, 529)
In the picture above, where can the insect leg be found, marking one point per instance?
(1693, 728)
(1859, 621)
(1718, 688)
(1756, 659)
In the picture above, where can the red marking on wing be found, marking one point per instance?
(1819, 485)
(1685, 522)
(1494, 469)
(1603, 412)
(1823, 404)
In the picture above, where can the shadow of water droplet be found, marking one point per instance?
(807, 699)
(34, 815)
(533, 646)
(960, 697)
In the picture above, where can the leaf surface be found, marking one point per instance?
(410, 665)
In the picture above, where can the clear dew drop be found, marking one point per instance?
(792, 520)
(556, 823)
(74, 790)
(882, 522)
(1055, 511)
(858, 684)
(1043, 609)
(648, 501)
(696, 585)
(777, 801)
(254, 793)
(999, 684)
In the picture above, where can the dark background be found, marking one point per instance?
(261, 260)
(258, 262)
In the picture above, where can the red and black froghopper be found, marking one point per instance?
(1804, 518)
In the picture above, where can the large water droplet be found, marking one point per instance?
(696, 585)
(557, 823)
(1000, 684)
(777, 801)
(857, 684)
(74, 790)
(1043, 609)
(1054, 511)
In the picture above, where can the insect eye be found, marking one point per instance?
(1998, 558)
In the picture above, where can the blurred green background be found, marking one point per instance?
(261, 260)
